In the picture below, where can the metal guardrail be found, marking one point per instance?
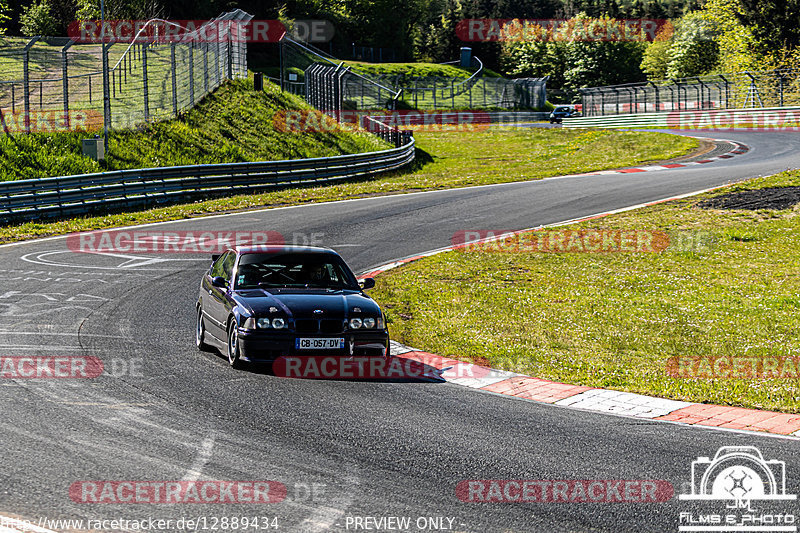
(82, 194)
(762, 118)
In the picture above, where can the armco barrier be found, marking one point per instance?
(760, 118)
(82, 194)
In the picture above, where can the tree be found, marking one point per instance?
(657, 54)
(694, 50)
(38, 19)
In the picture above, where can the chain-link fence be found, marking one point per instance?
(776, 88)
(52, 84)
(362, 91)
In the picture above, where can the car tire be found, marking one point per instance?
(233, 345)
(200, 332)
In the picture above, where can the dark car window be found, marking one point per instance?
(227, 266)
(294, 270)
(216, 268)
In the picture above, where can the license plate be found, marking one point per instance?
(319, 344)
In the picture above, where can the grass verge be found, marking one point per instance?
(445, 159)
(232, 124)
(727, 289)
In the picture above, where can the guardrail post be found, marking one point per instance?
(65, 81)
(26, 82)
(146, 86)
(174, 79)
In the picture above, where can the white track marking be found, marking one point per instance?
(203, 456)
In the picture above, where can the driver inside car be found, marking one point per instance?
(313, 274)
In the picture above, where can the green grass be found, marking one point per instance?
(613, 320)
(232, 124)
(444, 160)
(408, 71)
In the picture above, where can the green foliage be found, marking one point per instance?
(656, 59)
(694, 49)
(774, 23)
(573, 62)
(441, 42)
(38, 19)
(4, 16)
(739, 49)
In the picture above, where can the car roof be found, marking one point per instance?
(273, 248)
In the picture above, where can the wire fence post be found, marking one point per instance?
(26, 82)
(145, 87)
(216, 62)
(106, 92)
(174, 79)
(230, 53)
(191, 74)
(205, 67)
(282, 64)
(65, 81)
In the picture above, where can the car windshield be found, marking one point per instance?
(294, 270)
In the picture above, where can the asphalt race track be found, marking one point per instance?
(345, 450)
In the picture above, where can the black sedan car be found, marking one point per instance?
(258, 303)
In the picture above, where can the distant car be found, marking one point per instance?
(258, 303)
(561, 112)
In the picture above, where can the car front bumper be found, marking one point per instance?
(266, 346)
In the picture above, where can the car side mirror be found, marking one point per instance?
(367, 283)
(219, 281)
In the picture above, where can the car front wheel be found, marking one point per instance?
(233, 345)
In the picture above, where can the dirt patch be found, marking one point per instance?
(772, 198)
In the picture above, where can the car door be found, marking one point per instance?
(215, 303)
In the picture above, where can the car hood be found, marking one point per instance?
(301, 303)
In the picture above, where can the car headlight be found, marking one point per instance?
(369, 323)
(264, 323)
(278, 323)
(249, 323)
(355, 323)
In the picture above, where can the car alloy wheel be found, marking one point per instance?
(233, 345)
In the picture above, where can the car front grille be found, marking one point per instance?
(313, 326)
